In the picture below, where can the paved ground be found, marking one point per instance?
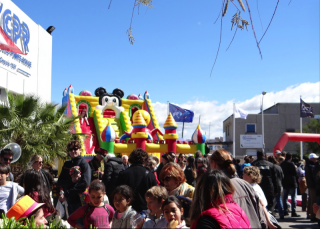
(301, 222)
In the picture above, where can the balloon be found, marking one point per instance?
(16, 149)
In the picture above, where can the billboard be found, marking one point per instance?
(251, 141)
(25, 53)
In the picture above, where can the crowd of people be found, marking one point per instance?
(139, 191)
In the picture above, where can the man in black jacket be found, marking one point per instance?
(268, 183)
(311, 185)
(289, 185)
(112, 168)
(73, 186)
(138, 177)
(279, 177)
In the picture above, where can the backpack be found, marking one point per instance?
(88, 209)
(302, 185)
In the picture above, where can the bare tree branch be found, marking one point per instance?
(109, 5)
(254, 32)
(259, 15)
(219, 41)
(232, 38)
(219, 13)
(270, 21)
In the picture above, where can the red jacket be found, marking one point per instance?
(234, 217)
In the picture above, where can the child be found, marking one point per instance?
(173, 211)
(27, 207)
(122, 197)
(9, 190)
(96, 213)
(155, 197)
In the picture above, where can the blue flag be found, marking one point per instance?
(179, 114)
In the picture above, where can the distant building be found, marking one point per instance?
(27, 70)
(214, 144)
(280, 118)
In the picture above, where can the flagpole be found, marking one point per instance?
(301, 143)
(182, 129)
(199, 119)
(234, 132)
(167, 107)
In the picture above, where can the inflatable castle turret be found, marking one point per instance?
(171, 136)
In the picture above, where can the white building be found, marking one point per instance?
(19, 73)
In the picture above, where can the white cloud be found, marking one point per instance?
(212, 111)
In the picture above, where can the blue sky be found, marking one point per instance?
(175, 47)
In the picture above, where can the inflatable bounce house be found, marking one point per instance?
(120, 125)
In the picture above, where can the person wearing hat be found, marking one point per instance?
(277, 154)
(311, 184)
(97, 165)
(27, 207)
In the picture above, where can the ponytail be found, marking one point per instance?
(223, 160)
(229, 167)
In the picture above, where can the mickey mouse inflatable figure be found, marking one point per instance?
(110, 100)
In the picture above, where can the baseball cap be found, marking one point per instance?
(278, 152)
(313, 155)
(23, 208)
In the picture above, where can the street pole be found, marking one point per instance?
(209, 129)
(234, 132)
(301, 143)
(263, 146)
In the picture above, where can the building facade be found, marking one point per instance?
(280, 118)
(27, 70)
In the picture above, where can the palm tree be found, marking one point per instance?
(39, 128)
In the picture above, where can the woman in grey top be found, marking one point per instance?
(244, 194)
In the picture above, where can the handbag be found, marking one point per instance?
(273, 220)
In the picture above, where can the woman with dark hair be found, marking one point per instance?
(181, 157)
(166, 158)
(34, 187)
(213, 205)
(201, 166)
(244, 194)
(190, 172)
(138, 177)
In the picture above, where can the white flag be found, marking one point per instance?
(239, 113)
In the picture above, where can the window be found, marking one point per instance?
(250, 128)
(291, 130)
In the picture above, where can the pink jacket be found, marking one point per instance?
(234, 217)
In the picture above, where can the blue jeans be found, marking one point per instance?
(279, 204)
(293, 193)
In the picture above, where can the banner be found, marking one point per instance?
(305, 110)
(179, 114)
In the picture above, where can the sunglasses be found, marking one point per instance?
(71, 149)
(7, 159)
(40, 162)
(167, 178)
